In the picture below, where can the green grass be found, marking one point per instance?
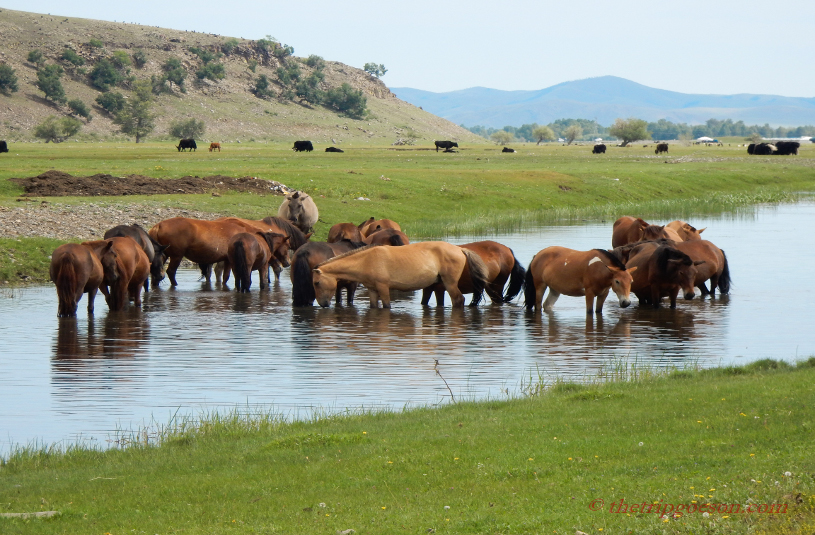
(434, 195)
(530, 465)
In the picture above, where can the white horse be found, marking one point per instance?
(299, 208)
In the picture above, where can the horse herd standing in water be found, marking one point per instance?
(651, 261)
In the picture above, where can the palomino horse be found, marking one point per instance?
(248, 252)
(501, 266)
(299, 208)
(153, 250)
(344, 231)
(411, 267)
(714, 266)
(685, 231)
(75, 269)
(370, 226)
(386, 236)
(203, 242)
(306, 259)
(576, 273)
(628, 229)
(125, 267)
(662, 271)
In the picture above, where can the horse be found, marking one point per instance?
(154, 250)
(714, 266)
(203, 242)
(628, 229)
(306, 259)
(300, 209)
(501, 266)
(386, 236)
(344, 231)
(411, 267)
(75, 269)
(248, 252)
(662, 271)
(576, 273)
(125, 267)
(685, 231)
(368, 227)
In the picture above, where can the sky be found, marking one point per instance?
(689, 46)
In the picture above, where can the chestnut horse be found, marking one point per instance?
(685, 231)
(628, 229)
(153, 250)
(714, 266)
(501, 266)
(75, 269)
(344, 231)
(411, 267)
(662, 271)
(370, 226)
(386, 236)
(125, 267)
(306, 259)
(248, 252)
(576, 273)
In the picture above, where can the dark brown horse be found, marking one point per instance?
(306, 259)
(248, 252)
(388, 236)
(628, 229)
(75, 269)
(125, 267)
(662, 270)
(501, 266)
(153, 249)
(714, 266)
(370, 226)
(344, 231)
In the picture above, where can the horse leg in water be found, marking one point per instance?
(226, 268)
(452, 288)
(172, 267)
(351, 289)
(277, 268)
(550, 300)
(91, 297)
(703, 291)
(426, 293)
(601, 299)
(373, 296)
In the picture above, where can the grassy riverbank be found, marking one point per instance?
(540, 464)
(477, 190)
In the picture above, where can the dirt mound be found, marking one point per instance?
(60, 184)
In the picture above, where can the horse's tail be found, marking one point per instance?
(724, 278)
(478, 275)
(66, 282)
(240, 268)
(117, 292)
(529, 290)
(516, 280)
(302, 288)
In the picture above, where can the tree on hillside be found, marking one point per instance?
(190, 129)
(72, 58)
(176, 73)
(8, 80)
(48, 82)
(571, 133)
(262, 88)
(629, 130)
(347, 100)
(111, 102)
(502, 137)
(80, 108)
(36, 57)
(57, 130)
(139, 58)
(374, 69)
(105, 74)
(136, 119)
(543, 133)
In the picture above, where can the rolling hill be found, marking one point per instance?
(605, 99)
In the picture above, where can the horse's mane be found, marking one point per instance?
(666, 253)
(296, 237)
(612, 259)
(349, 253)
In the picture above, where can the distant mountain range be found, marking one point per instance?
(605, 99)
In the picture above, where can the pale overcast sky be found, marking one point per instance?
(690, 46)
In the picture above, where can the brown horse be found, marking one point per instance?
(306, 259)
(203, 242)
(153, 250)
(248, 252)
(685, 231)
(501, 266)
(75, 269)
(387, 236)
(713, 267)
(370, 226)
(411, 267)
(628, 229)
(344, 231)
(576, 273)
(125, 267)
(662, 271)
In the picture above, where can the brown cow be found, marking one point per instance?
(213, 146)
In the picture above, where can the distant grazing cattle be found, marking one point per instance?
(186, 144)
(303, 146)
(599, 149)
(213, 146)
(751, 148)
(764, 149)
(3, 146)
(446, 145)
(333, 149)
(507, 149)
(785, 148)
(662, 147)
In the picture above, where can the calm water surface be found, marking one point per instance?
(195, 348)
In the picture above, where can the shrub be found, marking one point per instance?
(57, 130)
(96, 43)
(111, 102)
(253, 64)
(288, 74)
(229, 46)
(262, 87)
(104, 75)
(139, 58)
(316, 62)
(80, 108)
(175, 73)
(36, 57)
(309, 89)
(206, 56)
(48, 82)
(347, 100)
(212, 71)
(72, 57)
(189, 129)
(8, 80)
(120, 59)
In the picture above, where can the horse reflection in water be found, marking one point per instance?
(124, 335)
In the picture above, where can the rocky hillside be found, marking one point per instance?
(228, 107)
